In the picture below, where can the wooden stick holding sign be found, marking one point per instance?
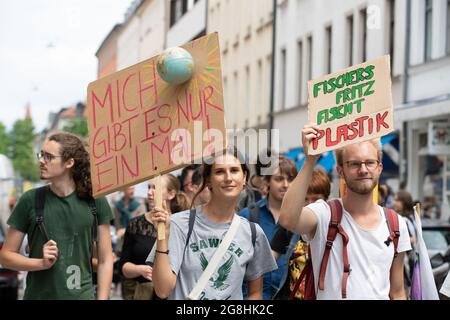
(159, 204)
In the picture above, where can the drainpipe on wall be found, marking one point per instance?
(272, 76)
(404, 135)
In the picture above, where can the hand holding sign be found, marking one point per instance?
(309, 133)
(352, 105)
(159, 203)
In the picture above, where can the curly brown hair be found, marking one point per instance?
(74, 147)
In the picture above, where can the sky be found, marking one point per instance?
(47, 53)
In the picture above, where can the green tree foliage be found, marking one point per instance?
(22, 152)
(77, 126)
(4, 140)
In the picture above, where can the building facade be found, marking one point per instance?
(107, 53)
(245, 38)
(187, 21)
(143, 32)
(427, 101)
(332, 35)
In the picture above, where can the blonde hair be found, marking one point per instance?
(339, 153)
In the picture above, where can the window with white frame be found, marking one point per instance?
(300, 71)
(349, 29)
(428, 28)
(328, 41)
(309, 41)
(448, 26)
(283, 80)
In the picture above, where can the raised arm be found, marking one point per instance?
(294, 216)
(164, 280)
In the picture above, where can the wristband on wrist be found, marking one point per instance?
(163, 252)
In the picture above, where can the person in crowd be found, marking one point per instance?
(368, 266)
(256, 188)
(404, 205)
(197, 181)
(140, 236)
(186, 181)
(62, 242)
(181, 258)
(285, 242)
(266, 213)
(125, 209)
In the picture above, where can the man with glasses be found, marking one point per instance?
(374, 272)
(62, 244)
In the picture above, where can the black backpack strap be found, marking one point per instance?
(39, 202)
(192, 214)
(253, 230)
(254, 213)
(93, 209)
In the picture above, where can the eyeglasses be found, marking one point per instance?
(48, 157)
(355, 165)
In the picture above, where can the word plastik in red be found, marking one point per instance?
(347, 132)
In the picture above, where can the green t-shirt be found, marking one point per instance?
(68, 221)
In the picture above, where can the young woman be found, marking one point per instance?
(140, 237)
(177, 265)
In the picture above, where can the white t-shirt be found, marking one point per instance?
(369, 257)
(241, 261)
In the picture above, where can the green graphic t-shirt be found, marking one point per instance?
(68, 221)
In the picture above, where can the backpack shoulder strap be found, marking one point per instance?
(192, 213)
(93, 209)
(393, 227)
(253, 213)
(334, 228)
(39, 203)
(253, 231)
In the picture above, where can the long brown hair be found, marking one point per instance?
(74, 147)
(408, 204)
(206, 168)
(181, 201)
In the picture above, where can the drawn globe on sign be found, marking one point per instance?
(175, 65)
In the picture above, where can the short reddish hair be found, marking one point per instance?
(320, 183)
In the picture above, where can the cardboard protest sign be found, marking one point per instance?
(352, 105)
(140, 126)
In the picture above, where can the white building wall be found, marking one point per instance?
(152, 30)
(417, 48)
(297, 20)
(143, 35)
(245, 37)
(128, 44)
(189, 26)
(439, 28)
